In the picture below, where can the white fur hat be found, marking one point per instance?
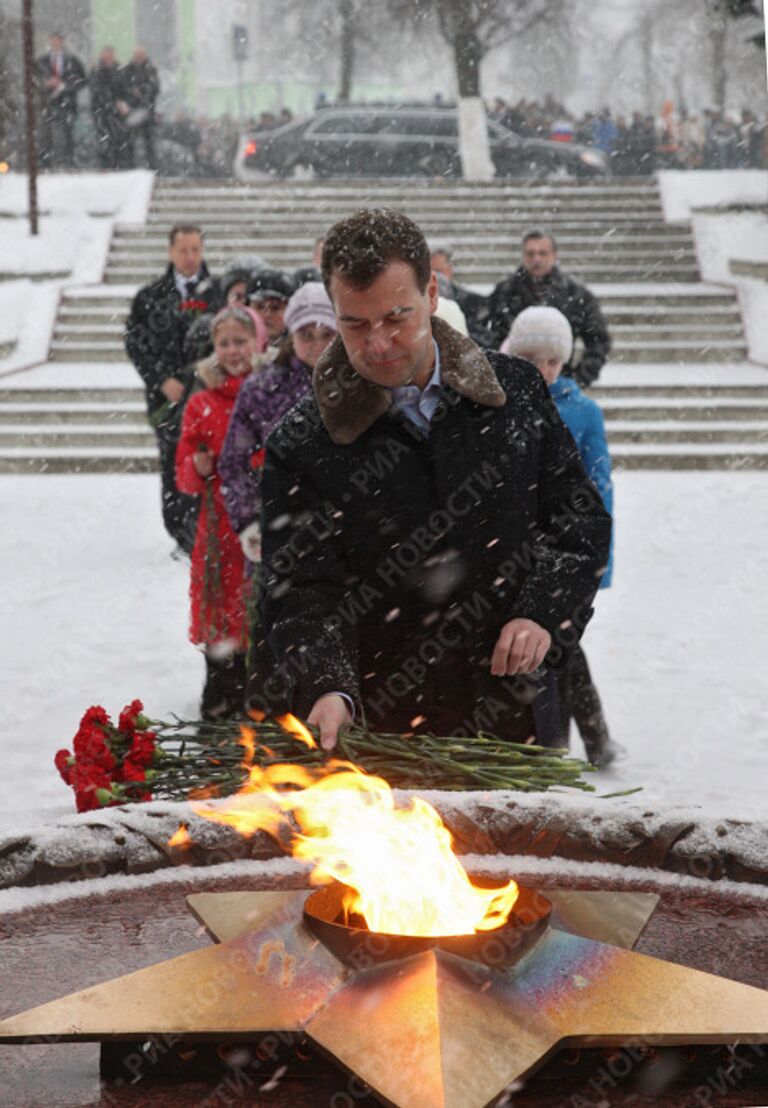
(540, 329)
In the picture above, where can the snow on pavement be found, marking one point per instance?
(96, 612)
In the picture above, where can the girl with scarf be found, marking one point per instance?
(218, 613)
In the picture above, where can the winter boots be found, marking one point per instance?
(224, 690)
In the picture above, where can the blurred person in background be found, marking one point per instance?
(234, 286)
(539, 280)
(60, 76)
(142, 86)
(110, 110)
(474, 306)
(269, 291)
(161, 316)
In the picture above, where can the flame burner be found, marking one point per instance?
(355, 945)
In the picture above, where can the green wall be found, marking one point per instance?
(185, 15)
(112, 24)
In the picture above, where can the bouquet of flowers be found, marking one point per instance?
(141, 759)
(109, 764)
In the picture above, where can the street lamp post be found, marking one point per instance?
(29, 97)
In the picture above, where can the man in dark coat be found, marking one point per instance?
(142, 85)
(110, 111)
(539, 280)
(429, 532)
(60, 76)
(161, 317)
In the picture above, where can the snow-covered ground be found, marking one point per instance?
(95, 611)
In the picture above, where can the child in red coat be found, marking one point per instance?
(218, 610)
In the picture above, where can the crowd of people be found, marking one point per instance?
(230, 364)
(122, 100)
(642, 143)
(123, 106)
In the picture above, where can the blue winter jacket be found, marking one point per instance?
(584, 419)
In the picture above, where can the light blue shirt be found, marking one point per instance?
(419, 405)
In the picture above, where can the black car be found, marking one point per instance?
(400, 142)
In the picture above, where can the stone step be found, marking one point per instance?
(660, 394)
(701, 333)
(641, 309)
(312, 227)
(333, 200)
(104, 401)
(77, 436)
(60, 416)
(746, 268)
(487, 242)
(76, 460)
(697, 298)
(687, 409)
(70, 332)
(659, 272)
(35, 434)
(81, 346)
(86, 397)
(275, 186)
(649, 456)
(62, 351)
(692, 299)
(652, 316)
(114, 303)
(639, 353)
(480, 258)
(736, 434)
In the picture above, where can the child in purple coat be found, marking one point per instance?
(262, 402)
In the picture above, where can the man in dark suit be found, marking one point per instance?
(110, 110)
(161, 316)
(141, 88)
(60, 76)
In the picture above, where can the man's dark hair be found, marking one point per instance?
(184, 229)
(360, 247)
(537, 233)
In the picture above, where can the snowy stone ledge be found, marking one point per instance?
(134, 839)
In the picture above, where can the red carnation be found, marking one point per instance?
(96, 714)
(87, 781)
(127, 722)
(132, 771)
(142, 750)
(64, 763)
(90, 747)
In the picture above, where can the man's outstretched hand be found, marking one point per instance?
(330, 713)
(520, 648)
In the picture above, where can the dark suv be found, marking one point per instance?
(400, 142)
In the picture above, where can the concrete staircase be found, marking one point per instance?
(611, 235)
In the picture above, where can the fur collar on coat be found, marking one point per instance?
(349, 404)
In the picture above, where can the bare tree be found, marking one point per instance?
(472, 28)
